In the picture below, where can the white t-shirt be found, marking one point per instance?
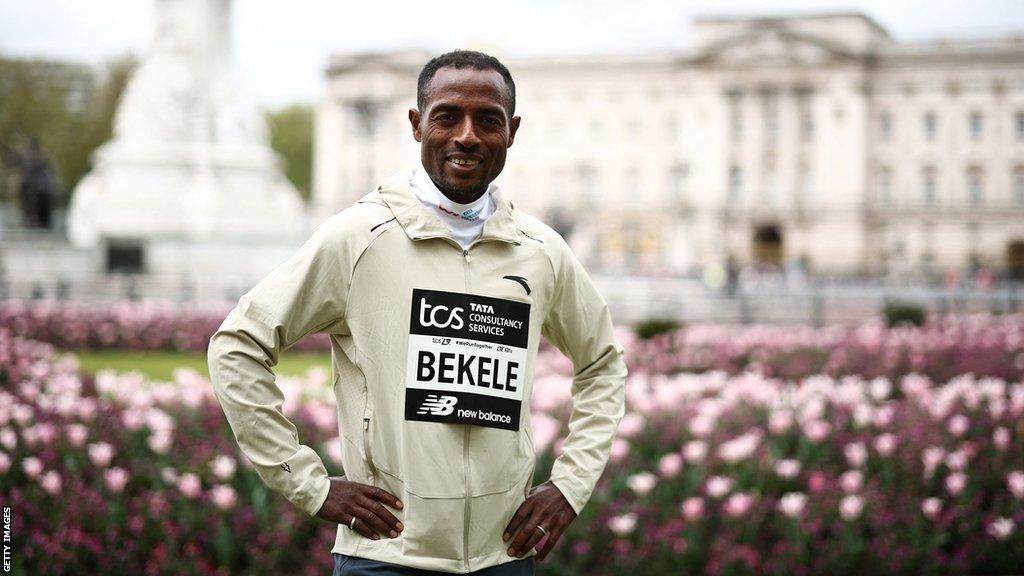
(465, 221)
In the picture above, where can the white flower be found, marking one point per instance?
(695, 450)
(623, 524)
(956, 482)
(851, 506)
(788, 468)
(1000, 528)
(958, 425)
(851, 481)
(793, 504)
(223, 467)
(1015, 482)
(885, 444)
(642, 483)
(856, 454)
(719, 486)
(931, 507)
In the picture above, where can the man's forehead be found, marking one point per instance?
(451, 82)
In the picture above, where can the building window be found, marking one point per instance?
(735, 183)
(771, 187)
(928, 182)
(125, 257)
(736, 115)
(678, 177)
(1018, 186)
(930, 125)
(771, 115)
(885, 126)
(806, 114)
(885, 185)
(974, 186)
(1020, 126)
(975, 125)
(806, 184)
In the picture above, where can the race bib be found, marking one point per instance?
(467, 359)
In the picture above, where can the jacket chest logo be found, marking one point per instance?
(467, 359)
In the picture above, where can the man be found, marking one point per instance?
(435, 292)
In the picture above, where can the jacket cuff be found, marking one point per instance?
(302, 479)
(574, 491)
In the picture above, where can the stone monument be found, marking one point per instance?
(189, 184)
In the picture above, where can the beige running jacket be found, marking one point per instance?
(433, 351)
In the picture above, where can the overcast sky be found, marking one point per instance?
(282, 47)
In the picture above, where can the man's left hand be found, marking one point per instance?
(545, 507)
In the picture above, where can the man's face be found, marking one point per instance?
(464, 131)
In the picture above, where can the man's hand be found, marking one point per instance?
(545, 507)
(346, 500)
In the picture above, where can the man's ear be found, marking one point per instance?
(414, 119)
(512, 127)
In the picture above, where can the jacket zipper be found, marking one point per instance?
(465, 442)
(367, 412)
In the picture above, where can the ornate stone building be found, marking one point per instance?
(816, 139)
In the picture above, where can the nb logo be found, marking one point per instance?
(521, 281)
(438, 405)
(429, 316)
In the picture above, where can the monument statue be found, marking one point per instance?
(39, 191)
(189, 173)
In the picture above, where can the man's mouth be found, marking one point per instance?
(464, 162)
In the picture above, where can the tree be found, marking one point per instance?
(291, 136)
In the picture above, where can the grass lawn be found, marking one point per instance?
(160, 365)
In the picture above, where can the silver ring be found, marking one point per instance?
(543, 531)
(352, 523)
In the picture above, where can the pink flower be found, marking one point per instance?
(115, 479)
(883, 416)
(5, 463)
(693, 508)
(189, 485)
(851, 481)
(1001, 438)
(738, 504)
(101, 454)
(642, 483)
(1015, 482)
(885, 444)
(619, 451)
(1000, 528)
(223, 497)
(160, 441)
(51, 483)
(623, 524)
(77, 434)
(817, 482)
(169, 475)
(780, 422)
(223, 467)
(856, 454)
(670, 465)
(793, 504)
(817, 430)
(958, 425)
(957, 460)
(695, 450)
(631, 425)
(740, 447)
(932, 457)
(931, 507)
(719, 486)
(788, 468)
(850, 507)
(956, 482)
(8, 439)
(32, 467)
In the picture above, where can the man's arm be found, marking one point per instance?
(294, 300)
(580, 326)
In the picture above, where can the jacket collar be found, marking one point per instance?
(419, 223)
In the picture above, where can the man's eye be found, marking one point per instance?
(444, 118)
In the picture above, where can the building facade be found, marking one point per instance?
(817, 140)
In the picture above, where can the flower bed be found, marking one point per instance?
(741, 468)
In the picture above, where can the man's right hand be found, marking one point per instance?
(347, 500)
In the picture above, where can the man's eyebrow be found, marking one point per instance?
(444, 108)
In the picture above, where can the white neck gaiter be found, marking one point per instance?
(464, 221)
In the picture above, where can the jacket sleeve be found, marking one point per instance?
(305, 294)
(580, 325)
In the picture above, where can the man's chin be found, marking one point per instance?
(463, 192)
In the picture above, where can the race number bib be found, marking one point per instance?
(467, 359)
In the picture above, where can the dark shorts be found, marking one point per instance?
(353, 566)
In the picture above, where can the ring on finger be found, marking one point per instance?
(542, 530)
(352, 523)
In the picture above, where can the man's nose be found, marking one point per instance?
(466, 135)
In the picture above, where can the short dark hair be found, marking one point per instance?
(464, 59)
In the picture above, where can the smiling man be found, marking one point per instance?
(435, 291)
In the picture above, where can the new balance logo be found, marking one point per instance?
(438, 405)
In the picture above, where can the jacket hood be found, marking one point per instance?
(419, 223)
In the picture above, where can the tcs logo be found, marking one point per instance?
(449, 318)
